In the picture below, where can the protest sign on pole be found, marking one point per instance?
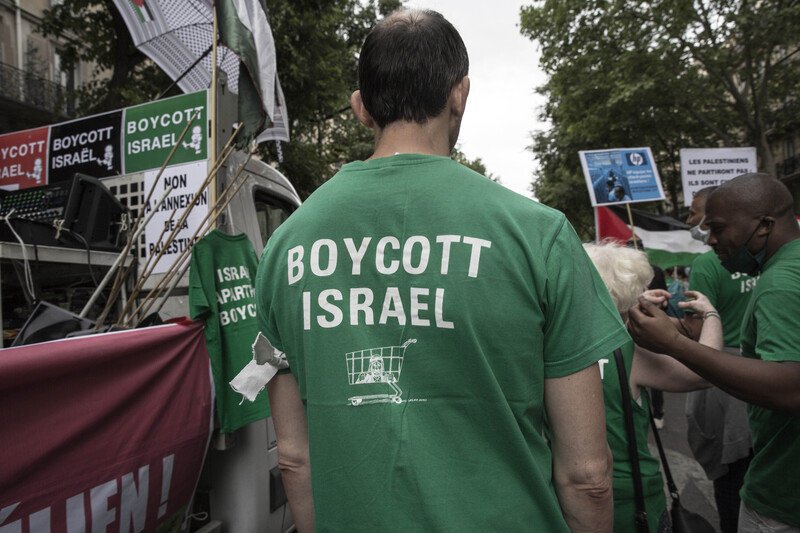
(709, 167)
(621, 176)
(23, 159)
(185, 179)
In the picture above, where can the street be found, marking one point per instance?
(696, 491)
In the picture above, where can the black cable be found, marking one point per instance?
(79, 237)
(37, 286)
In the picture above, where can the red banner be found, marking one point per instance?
(23, 159)
(105, 432)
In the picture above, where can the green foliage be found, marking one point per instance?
(317, 45)
(668, 74)
(474, 164)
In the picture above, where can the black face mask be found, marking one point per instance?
(741, 260)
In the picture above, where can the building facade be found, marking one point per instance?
(32, 85)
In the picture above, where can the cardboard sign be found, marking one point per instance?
(90, 146)
(151, 130)
(185, 180)
(621, 176)
(23, 159)
(709, 167)
(104, 432)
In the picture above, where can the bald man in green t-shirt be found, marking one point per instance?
(753, 230)
(717, 430)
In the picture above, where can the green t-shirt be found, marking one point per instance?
(421, 306)
(221, 292)
(652, 482)
(729, 293)
(770, 332)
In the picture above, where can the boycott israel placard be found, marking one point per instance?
(89, 146)
(151, 130)
(621, 176)
(185, 180)
(23, 156)
(709, 167)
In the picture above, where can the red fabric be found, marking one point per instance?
(611, 226)
(104, 411)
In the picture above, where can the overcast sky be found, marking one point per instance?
(502, 105)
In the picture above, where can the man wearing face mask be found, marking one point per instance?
(753, 230)
(717, 429)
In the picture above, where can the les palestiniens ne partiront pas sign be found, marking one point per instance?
(710, 167)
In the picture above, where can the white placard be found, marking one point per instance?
(186, 179)
(709, 167)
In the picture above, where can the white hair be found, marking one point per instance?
(625, 271)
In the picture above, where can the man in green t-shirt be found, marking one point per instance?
(435, 323)
(753, 230)
(717, 430)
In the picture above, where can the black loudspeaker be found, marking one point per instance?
(95, 214)
(49, 322)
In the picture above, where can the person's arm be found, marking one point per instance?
(291, 430)
(771, 384)
(582, 463)
(665, 373)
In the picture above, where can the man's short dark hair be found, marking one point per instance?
(702, 194)
(409, 63)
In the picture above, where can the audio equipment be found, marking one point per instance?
(76, 213)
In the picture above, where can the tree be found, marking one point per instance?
(475, 164)
(317, 45)
(668, 74)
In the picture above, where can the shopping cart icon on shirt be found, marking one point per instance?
(377, 365)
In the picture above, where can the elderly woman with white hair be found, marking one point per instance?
(626, 273)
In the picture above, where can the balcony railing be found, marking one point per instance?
(28, 88)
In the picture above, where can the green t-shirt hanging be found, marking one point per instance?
(421, 306)
(221, 292)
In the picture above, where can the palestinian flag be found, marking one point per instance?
(666, 240)
(244, 29)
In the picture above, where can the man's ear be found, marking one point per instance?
(767, 225)
(459, 97)
(361, 112)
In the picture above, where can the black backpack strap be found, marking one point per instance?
(673, 489)
(633, 452)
